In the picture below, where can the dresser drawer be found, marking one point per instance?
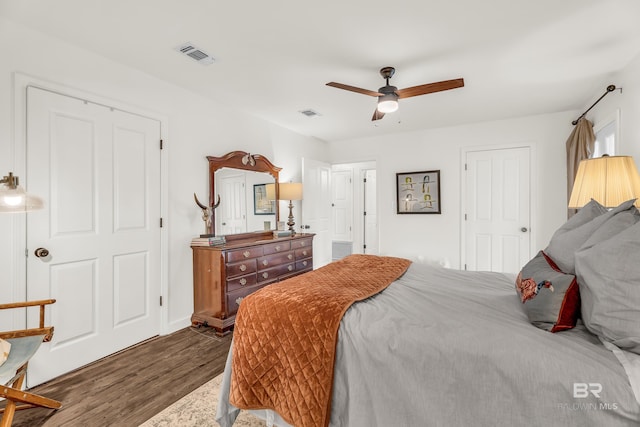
(304, 253)
(274, 273)
(241, 268)
(235, 297)
(269, 261)
(302, 243)
(242, 282)
(274, 248)
(245, 253)
(305, 264)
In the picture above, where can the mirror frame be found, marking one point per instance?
(244, 161)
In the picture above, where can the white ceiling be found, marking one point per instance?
(273, 58)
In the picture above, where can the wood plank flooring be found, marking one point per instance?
(129, 387)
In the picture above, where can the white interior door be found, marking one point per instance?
(370, 232)
(497, 209)
(233, 204)
(98, 171)
(316, 208)
(342, 204)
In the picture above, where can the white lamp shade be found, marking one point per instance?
(610, 180)
(388, 103)
(15, 200)
(290, 191)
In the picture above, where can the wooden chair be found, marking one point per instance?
(24, 344)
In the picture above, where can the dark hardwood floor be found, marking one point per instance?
(129, 387)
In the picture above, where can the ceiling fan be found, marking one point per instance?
(388, 95)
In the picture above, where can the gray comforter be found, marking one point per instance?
(442, 347)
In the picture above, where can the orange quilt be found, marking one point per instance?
(285, 336)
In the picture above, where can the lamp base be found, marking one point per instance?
(291, 223)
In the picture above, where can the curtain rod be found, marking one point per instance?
(610, 88)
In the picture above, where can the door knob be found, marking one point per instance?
(524, 229)
(41, 252)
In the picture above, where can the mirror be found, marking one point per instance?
(240, 179)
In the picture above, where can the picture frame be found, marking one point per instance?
(418, 192)
(262, 205)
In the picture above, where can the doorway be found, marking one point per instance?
(354, 205)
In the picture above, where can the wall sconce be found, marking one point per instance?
(13, 198)
(610, 180)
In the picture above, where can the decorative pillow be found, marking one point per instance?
(550, 297)
(569, 238)
(611, 227)
(609, 277)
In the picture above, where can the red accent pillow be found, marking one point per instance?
(550, 298)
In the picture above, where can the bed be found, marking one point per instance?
(441, 347)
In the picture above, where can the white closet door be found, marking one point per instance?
(98, 171)
(497, 209)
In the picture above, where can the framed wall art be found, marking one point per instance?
(418, 192)
(262, 205)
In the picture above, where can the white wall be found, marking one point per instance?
(628, 103)
(437, 237)
(197, 127)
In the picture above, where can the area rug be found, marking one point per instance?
(198, 408)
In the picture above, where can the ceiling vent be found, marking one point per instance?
(195, 53)
(310, 113)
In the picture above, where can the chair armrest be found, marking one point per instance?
(26, 304)
(42, 303)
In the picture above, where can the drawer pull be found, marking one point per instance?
(277, 248)
(239, 300)
(304, 253)
(265, 262)
(302, 243)
(304, 263)
(290, 256)
(265, 275)
(246, 254)
(243, 267)
(243, 281)
(290, 268)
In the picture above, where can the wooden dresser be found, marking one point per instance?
(224, 275)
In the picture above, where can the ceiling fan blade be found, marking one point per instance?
(354, 89)
(430, 88)
(377, 115)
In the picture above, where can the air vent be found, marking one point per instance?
(310, 113)
(195, 53)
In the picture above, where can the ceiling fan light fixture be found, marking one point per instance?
(388, 103)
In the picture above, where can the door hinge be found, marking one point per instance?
(465, 266)
(364, 246)
(365, 213)
(465, 217)
(26, 252)
(161, 222)
(161, 144)
(160, 300)
(465, 166)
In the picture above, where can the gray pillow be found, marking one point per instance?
(611, 227)
(569, 238)
(609, 281)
